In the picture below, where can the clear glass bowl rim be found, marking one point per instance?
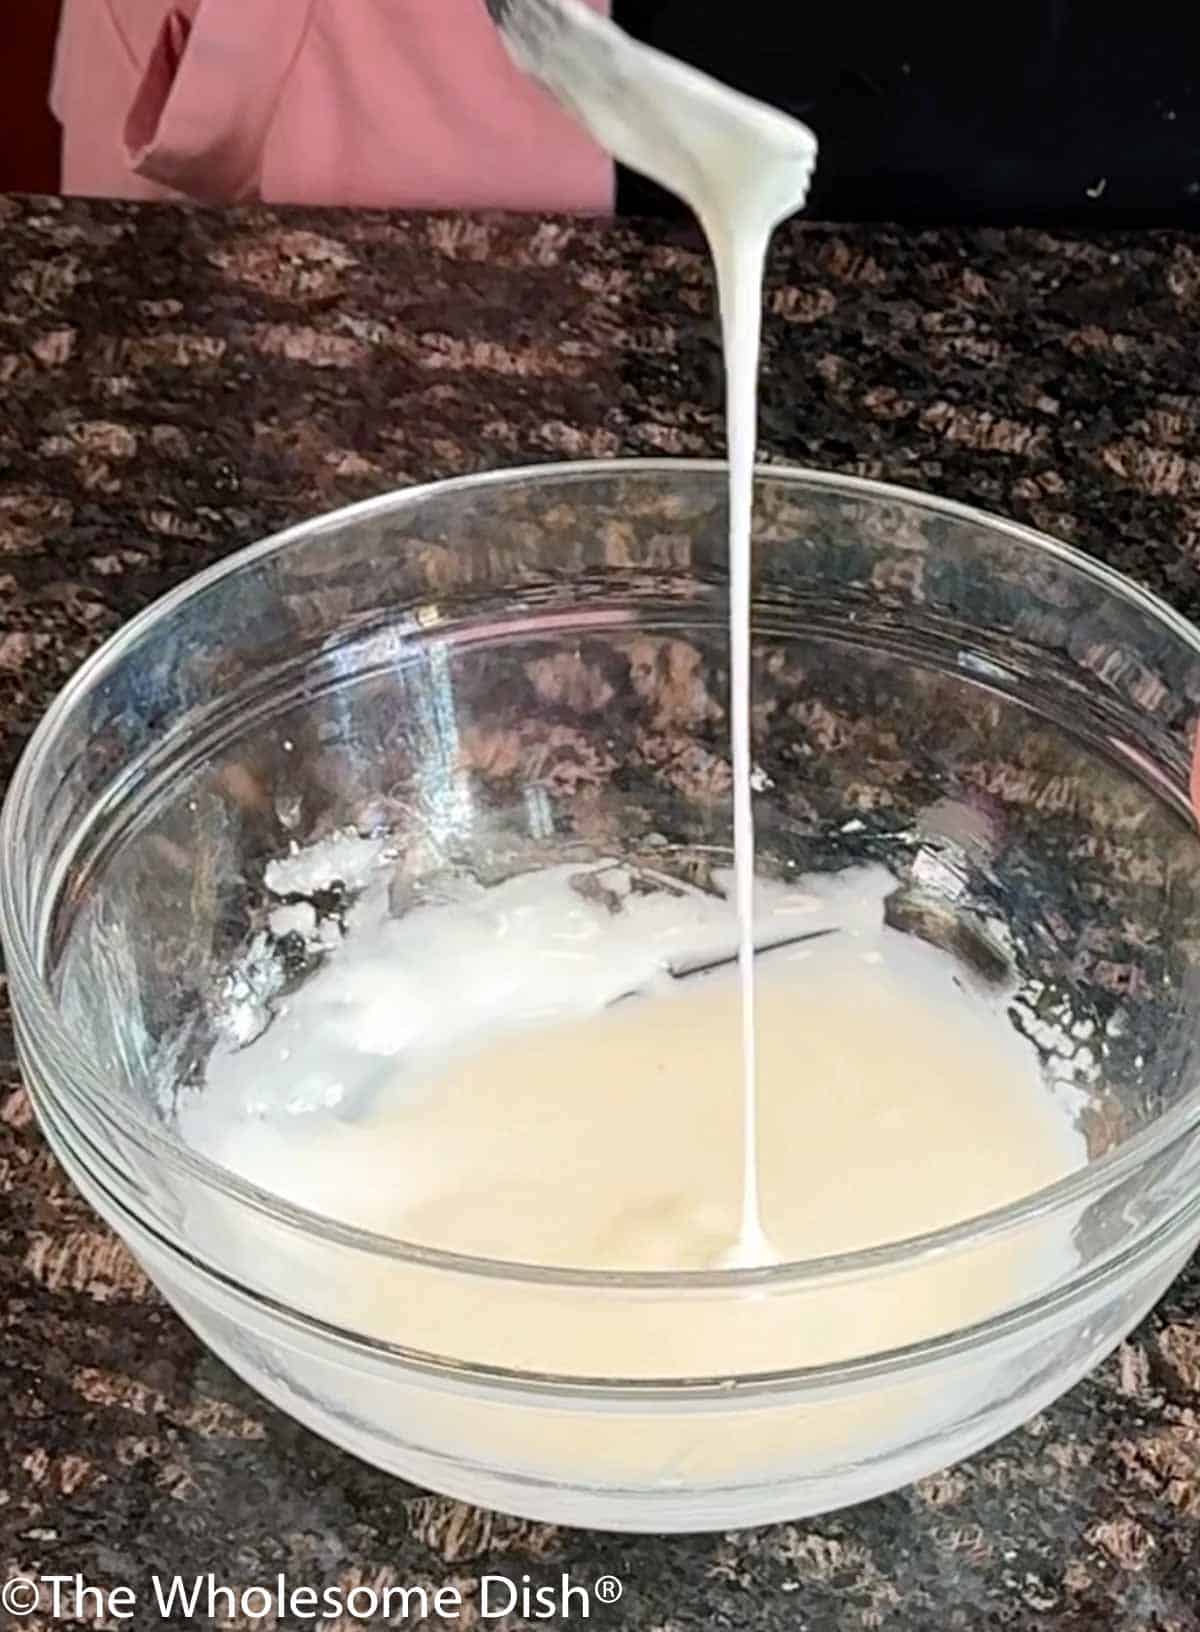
(31, 993)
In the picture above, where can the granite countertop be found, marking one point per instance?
(176, 384)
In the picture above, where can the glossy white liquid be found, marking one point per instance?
(526, 1073)
(742, 168)
(473, 1077)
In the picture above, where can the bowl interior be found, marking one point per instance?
(492, 676)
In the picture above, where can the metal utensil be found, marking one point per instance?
(684, 971)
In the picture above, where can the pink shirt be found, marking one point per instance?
(402, 103)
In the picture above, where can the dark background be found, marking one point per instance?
(1033, 111)
(28, 135)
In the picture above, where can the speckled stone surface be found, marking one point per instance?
(177, 384)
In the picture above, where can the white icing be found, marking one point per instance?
(743, 168)
(475, 1075)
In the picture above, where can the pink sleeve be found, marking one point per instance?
(209, 93)
(386, 103)
(97, 69)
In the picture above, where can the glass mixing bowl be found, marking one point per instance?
(531, 666)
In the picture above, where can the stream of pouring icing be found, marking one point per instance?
(742, 168)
